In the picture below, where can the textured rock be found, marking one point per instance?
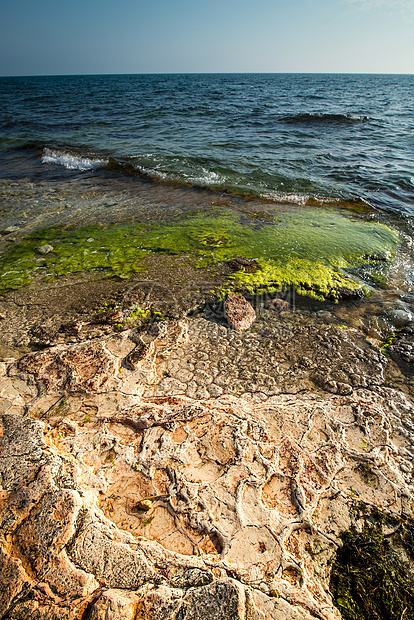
(114, 605)
(238, 312)
(212, 478)
(401, 349)
(248, 265)
(45, 249)
(82, 368)
(278, 305)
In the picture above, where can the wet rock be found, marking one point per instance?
(248, 265)
(278, 305)
(45, 249)
(347, 294)
(238, 312)
(400, 316)
(401, 350)
(9, 230)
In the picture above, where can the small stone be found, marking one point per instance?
(278, 305)
(145, 504)
(400, 316)
(238, 312)
(90, 240)
(45, 249)
(248, 265)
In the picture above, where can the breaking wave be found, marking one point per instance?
(71, 161)
(184, 172)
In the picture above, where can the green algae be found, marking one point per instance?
(87, 249)
(372, 576)
(316, 251)
(139, 315)
(311, 279)
(389, 340)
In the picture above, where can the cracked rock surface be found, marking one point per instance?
(191, 472)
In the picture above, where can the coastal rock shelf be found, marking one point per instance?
(185, 471)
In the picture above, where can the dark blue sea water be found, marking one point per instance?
(77, 149)
(282, 136)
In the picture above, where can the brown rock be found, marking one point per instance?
(248, 265)
(238, 312)
(13, 580)
(107, 318)
(115, 605)
(278, 305)
(83, 368)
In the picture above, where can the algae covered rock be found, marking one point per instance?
(376, 560)
(321, 253)
(45, 249)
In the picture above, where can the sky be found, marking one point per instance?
(58, 37)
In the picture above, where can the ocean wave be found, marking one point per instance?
(301, 199)
(199, 177)
(206, 178)
(71, 161)
(319, 118)
(184, 172)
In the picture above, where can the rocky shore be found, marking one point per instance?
(198, 468)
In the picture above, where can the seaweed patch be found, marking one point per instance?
(321, 253)
(371, 576)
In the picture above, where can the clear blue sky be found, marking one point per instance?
(41, 37)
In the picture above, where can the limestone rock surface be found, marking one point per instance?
(209, 479)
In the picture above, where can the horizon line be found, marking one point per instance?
(33, 75)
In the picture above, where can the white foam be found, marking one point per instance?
(298, 199)
(70, 161)
(207, 177)
(153, 173)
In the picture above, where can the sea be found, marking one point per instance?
(79, 150)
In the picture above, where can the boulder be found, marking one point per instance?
(238, 312)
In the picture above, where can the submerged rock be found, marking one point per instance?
(278, 305)
(45, 249)
(248, 265)
(401, 349)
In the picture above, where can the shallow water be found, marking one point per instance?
(80, 150)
